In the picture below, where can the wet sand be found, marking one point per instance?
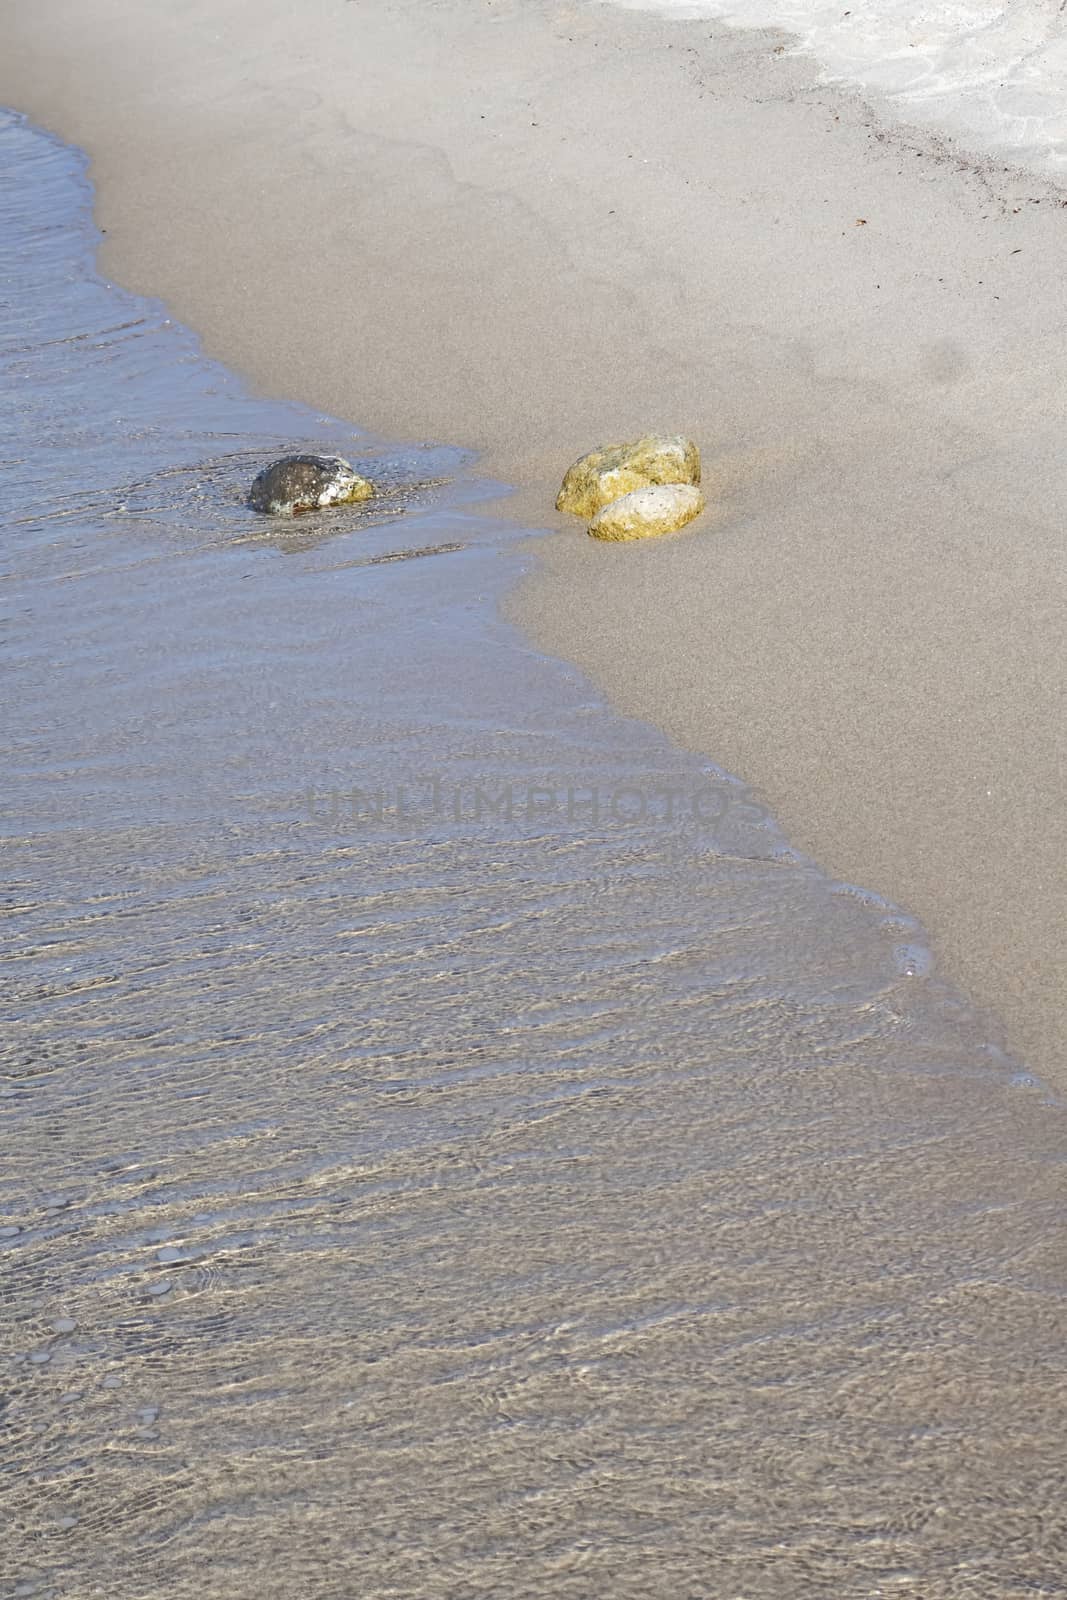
(528, 227)
(525, 227)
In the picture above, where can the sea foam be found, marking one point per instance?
(993, 75)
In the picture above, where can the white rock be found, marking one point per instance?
(647, 513)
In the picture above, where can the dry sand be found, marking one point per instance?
(527, 226)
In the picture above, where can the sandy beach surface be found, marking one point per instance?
(527, 226)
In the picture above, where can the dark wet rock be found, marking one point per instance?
(295, 484)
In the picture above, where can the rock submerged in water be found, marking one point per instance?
(614, 470)
(306, 483)
(647, 513)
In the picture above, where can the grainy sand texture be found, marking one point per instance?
(529, 226)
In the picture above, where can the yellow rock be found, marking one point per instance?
(612, 470)
(646, 513)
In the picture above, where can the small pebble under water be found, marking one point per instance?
(579, 1194)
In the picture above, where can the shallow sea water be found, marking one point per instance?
(415, 1184)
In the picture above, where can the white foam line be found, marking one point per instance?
(992, 74)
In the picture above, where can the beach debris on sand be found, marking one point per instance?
(294, 484)
(614, 470)
(647, 513)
